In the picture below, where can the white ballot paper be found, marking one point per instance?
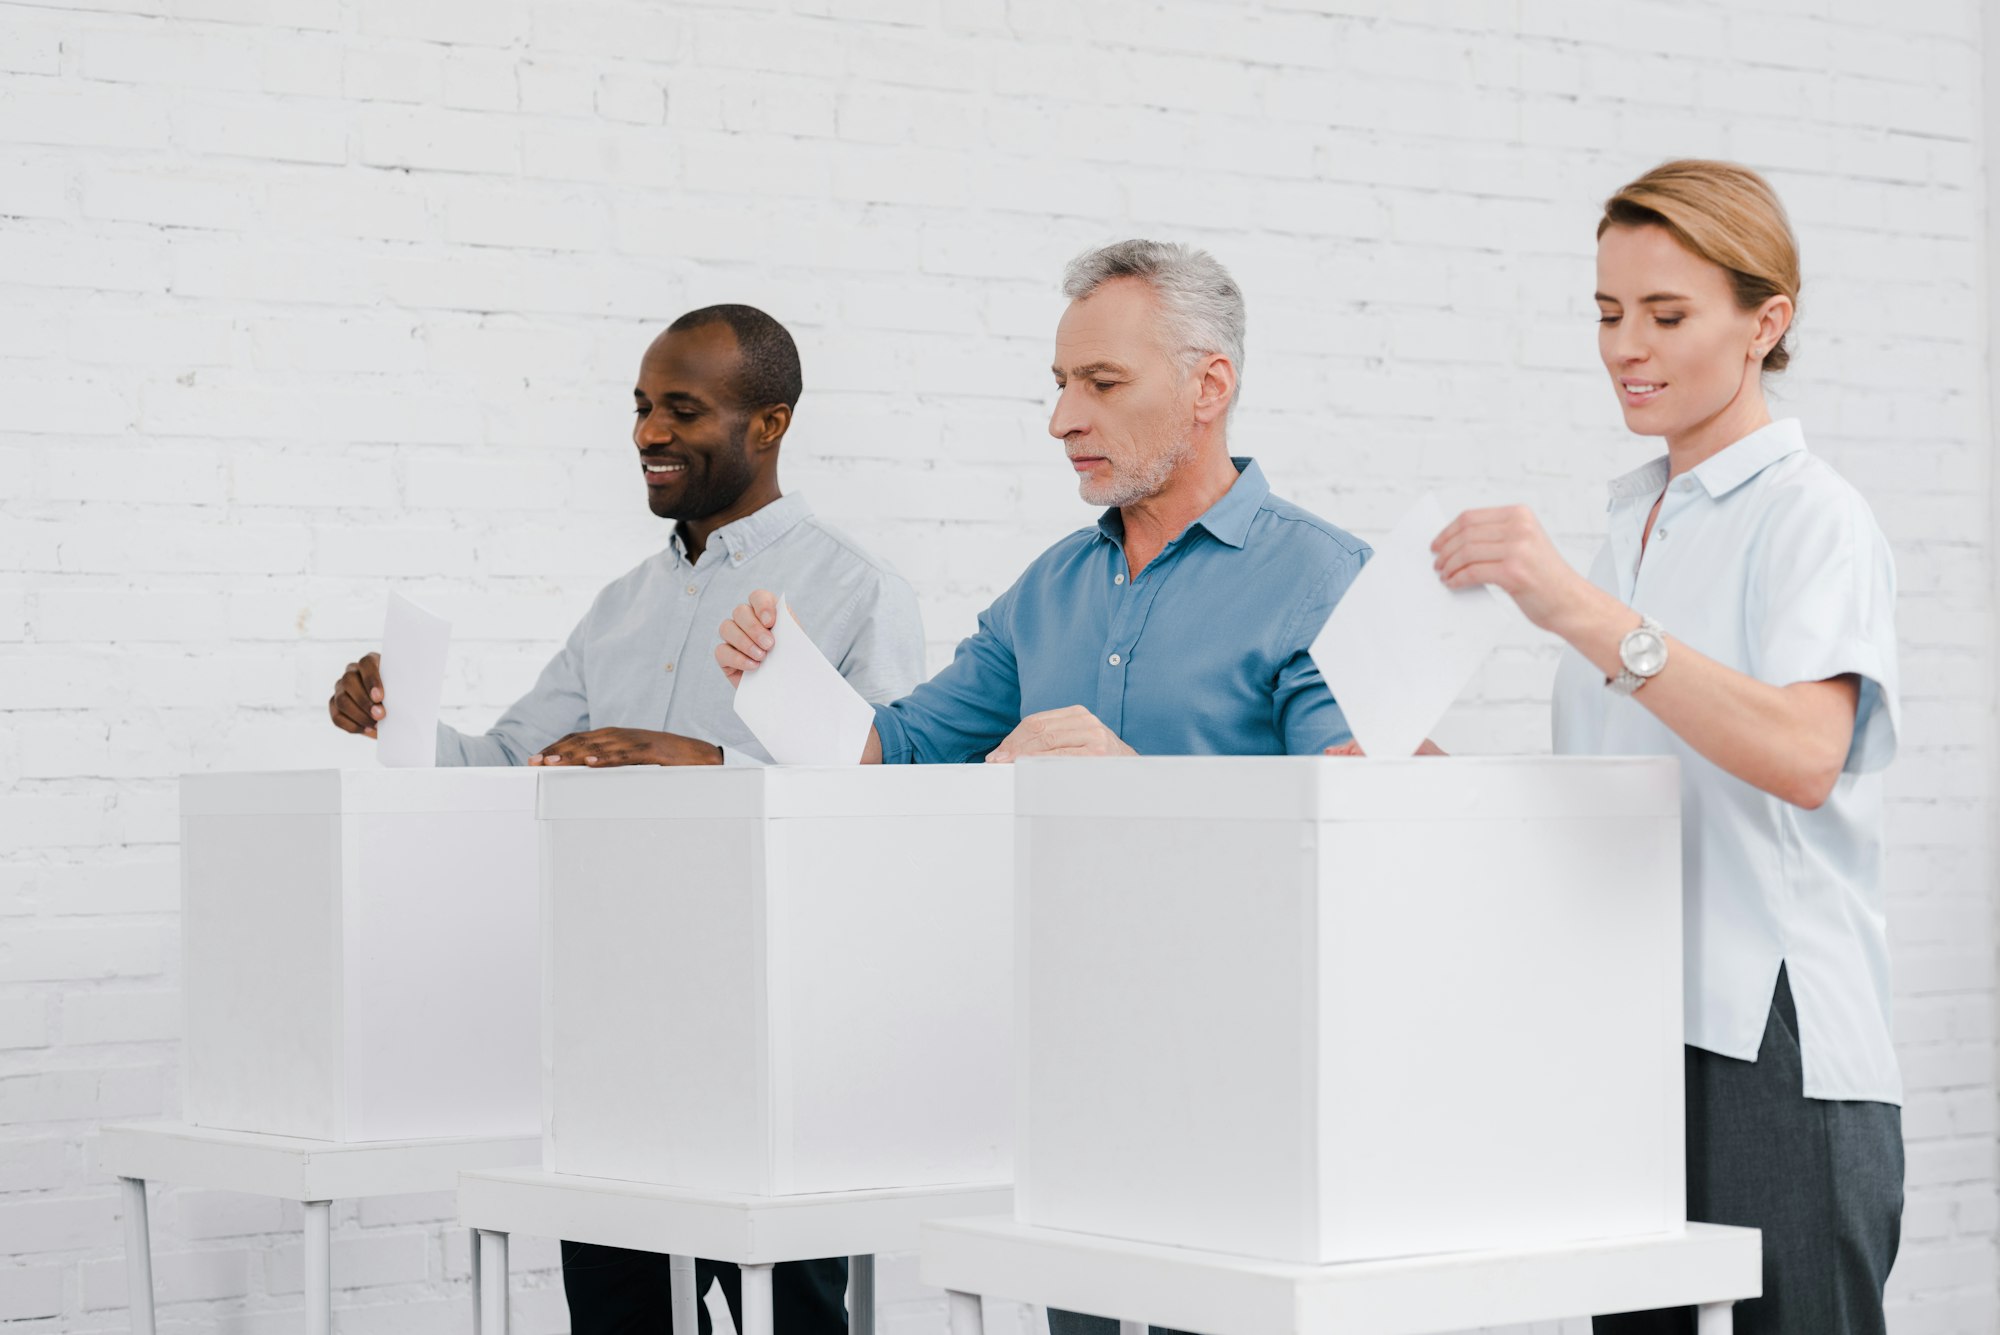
(1400, 646)
(414, 644)
(799, 706)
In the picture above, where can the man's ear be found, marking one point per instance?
(1215, 388)
(768, 426)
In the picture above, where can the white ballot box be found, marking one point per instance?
(1319, 1010)
(779, 980)
(360, 953)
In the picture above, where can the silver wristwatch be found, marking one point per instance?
(1643, 653)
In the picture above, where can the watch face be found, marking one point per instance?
(1644, 652)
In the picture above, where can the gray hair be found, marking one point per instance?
(1201, 302)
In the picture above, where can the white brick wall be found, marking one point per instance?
(303, 297)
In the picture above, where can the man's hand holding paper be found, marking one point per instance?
(796, 702)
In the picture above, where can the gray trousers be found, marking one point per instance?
(1822, 1179)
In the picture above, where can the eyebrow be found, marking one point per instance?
(1087, 371)
(1648, 299)
(674, 395)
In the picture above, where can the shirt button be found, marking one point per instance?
(1118, 578)
(670, 667)
(1115, 660)
(1660, 533)
(691, 588)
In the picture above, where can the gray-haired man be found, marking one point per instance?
(1178, 624)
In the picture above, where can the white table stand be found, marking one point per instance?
(754, 1232)
(313, 1172)
(1706, 1266)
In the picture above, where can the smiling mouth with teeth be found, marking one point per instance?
(666, 468)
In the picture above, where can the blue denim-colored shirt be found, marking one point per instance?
(1205, 653)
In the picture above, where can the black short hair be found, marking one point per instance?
(768, 369)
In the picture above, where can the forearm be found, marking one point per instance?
(1785, 740)
(871, 754)
(484, 749)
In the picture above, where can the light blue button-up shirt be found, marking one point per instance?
(1766, 560)
(1204, 653)
(643, 656)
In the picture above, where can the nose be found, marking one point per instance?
(1624, 344)
(650, 430)
(1067, 419)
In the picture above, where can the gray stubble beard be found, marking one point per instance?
(1148, 482)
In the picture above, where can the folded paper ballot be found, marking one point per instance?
(1400, 646)
(799, 706)
(414, 644)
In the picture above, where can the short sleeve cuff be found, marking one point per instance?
(1878, 713)
(895, 738)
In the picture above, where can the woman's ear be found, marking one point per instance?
(1774, 317)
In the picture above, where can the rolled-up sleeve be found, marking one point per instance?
(1304, 711)
(963, 712)
(1822, 604)
(553, 708)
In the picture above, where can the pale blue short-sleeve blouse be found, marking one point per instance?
(1766, 560)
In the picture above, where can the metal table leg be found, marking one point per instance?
(756, 1299)
(1715, 1318)
(681, 1279)
(861, 1295)
(319, 1267)
(138, 1255)
(492, 1282)
(964, 1314)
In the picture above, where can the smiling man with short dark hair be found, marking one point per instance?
(634, 685)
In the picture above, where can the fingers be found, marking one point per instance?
(1479, 572)
(733, 658)
(370, 668)
(1471, 552)
(346, 716)
(600, 748)
(764, 604)
(1429, 748)
(1504, 517)
(1053, 731)
(569, 750)
(350, 707)
(748, 633)
(354, 687)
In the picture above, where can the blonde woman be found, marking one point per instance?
(1740, 617)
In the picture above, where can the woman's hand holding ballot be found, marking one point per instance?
(1507, 548)
(1790, 741)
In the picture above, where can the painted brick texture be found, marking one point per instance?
(304, 299)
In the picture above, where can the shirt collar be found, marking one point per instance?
(1228, 520)
(1722, 472)
(744, 538)
(1730, 468)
